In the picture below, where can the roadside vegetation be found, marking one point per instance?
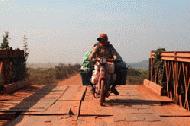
(64, 71)
(52, 75)
(136, 76)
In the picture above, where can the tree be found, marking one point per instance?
(159, 65)
(5, 44)
(26, 54)
(25, 47)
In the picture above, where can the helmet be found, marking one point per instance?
(102, 37)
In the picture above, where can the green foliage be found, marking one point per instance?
(136, 76)
(158, 65)
(51, 75)
(5, 43)
(133, 72)
(158, 54)
(25, 48)
(63, 71)
(26, 54)
(41, 76)
(20, 71)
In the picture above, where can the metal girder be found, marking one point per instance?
(177, 75)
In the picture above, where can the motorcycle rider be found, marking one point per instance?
(103, 49)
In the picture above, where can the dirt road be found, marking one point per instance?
(68, 103)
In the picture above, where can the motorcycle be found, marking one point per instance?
(106, 70)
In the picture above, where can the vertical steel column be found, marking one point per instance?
(186, 80)
(175, 74)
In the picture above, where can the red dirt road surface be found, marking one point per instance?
(68, 103)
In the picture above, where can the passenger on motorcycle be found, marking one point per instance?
(104, 49)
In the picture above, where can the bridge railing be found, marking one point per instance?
(172, 72)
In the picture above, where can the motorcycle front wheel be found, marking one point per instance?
(102, 92)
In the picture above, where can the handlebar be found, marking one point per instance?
(107, 59)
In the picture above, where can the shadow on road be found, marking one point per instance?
(27, 103)
(130, 102)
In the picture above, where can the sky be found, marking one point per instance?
(61, 31)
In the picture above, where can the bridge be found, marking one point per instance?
(163, 99)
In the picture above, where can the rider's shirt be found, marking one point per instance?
(107, 51)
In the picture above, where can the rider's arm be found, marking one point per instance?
(93, 53)
(114, 52)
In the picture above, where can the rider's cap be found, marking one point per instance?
(102, 37)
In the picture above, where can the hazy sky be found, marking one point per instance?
(62, 30)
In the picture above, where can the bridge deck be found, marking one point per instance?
(59, 105)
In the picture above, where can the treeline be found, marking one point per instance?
(136, 76)
(51, 75)
(64, 71)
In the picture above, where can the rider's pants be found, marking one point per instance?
(96, 72)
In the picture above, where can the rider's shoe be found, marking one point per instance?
(114, 91)
(107, 94)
